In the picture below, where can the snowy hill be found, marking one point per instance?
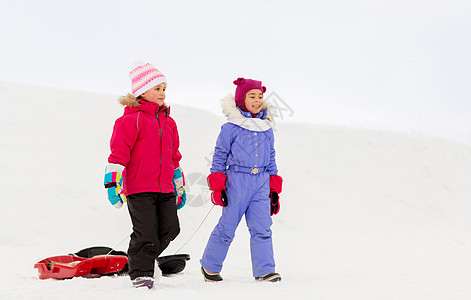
(364, 214)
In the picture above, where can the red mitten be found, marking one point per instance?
(219, 198)
(217, 185)
(275, 188)
(275, 203)
(275, 183)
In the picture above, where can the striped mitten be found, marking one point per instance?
(113, 183)
(179, 186)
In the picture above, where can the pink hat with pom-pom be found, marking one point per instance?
(243, 86)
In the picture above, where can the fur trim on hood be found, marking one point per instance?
(131, 101)
(231, 111)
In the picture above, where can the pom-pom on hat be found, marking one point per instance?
(144, 76)
(243, 86)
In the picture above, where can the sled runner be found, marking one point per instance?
(172, 264)
(101, 250)
(169, 264)
(68, 266)
(101, 261)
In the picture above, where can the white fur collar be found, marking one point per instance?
(234, 115)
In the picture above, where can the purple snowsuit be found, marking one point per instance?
(238, 150)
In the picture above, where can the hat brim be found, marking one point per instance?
(150, 85)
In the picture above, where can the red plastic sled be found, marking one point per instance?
(68, 266)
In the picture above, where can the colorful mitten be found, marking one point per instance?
(113, 183)
(275, 188)
(217, 184)
(179, 186)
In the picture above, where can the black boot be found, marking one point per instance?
(271, 277)
(210, 278)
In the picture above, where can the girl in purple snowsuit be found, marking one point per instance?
(244, 180)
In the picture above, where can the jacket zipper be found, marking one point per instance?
(160, 135)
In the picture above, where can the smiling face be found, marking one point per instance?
(254, 101)
(155, 94)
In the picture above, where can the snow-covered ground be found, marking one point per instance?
(364, 214)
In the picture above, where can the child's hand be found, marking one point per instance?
(179, 186)
(275, 188)
(217, 184)
(113, 182)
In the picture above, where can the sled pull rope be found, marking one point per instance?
(116, 246)
(201, 224)
(191, 237)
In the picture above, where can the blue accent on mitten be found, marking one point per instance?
(178, 182)
(113, 182)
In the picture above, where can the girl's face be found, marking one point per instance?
(155, 94)
(254, 101)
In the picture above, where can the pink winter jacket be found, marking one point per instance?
(145, 141)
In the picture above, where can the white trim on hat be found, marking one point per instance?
(150, 85)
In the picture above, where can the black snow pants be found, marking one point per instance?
(155, 223)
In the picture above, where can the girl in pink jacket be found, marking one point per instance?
(144, 170)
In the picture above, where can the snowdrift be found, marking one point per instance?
(364, 214)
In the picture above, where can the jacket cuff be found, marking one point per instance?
(114, 168)
(275, 183)
(217, 181)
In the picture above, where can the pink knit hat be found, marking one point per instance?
(144, 77)
(243, 86)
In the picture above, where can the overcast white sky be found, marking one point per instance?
(401, 65)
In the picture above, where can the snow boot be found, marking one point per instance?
(271, 277)
(210, 278)
(143, 281)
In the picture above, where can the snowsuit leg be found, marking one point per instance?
(155, 224)
(247, 194)
(222, 236)
(259, 222)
